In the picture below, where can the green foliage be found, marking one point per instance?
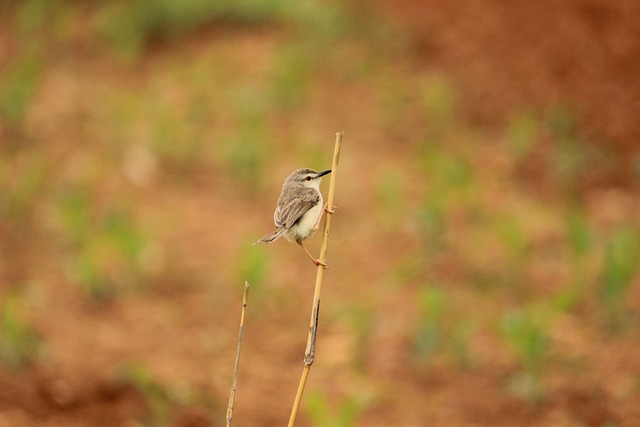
(431, 217)
(158, 397)
(571, 156)
(20, 343)
(460, 343)
(522, 132)
(244, 152)
(21, 184)
(105, 248)
(619, 270)
(449, 174)
(582, 244)
(514, 236)
(439, 102)
(361, 318)
(429, 334)
(526, 332)
(17, 88)
(452, 184)
(130, 25)
(579, 233)
(162, 400)
(252, 266)
(323, 415)
(290, 75)
(244, 159)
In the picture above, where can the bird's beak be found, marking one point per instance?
(323, 173)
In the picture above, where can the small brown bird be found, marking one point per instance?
(299, 209)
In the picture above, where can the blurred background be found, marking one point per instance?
(484, 257)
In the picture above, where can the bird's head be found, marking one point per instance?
(307, 177)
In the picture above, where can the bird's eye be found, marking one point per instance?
(308, 178)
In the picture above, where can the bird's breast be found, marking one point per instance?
(302, 228)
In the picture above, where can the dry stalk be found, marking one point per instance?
(315, 308)
(235, 368)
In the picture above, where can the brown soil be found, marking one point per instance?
(537, 56)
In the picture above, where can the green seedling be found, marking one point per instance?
(252, 267)
(526, 332)
(579, 233)
(104, 249)
(244, 157)
(131, 25)
(460, 343)
(518, 248)
(522, 132)
(21, 187)
(158, 397)
(323, 415)
(619, 270)
(291, 75)
(18, 86)
(439, 102)
(20, 343)
(581, 242)
(362, 319)
(429, 334)
(571, 157)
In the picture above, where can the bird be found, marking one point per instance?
(299, 209)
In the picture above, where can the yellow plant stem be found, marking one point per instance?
(315, 308)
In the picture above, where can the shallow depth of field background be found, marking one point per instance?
(484, 260)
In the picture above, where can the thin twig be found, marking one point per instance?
(235, 368)
(315, 308)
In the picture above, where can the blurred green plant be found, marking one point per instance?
(104, 249)
(428, 337)
(517, 244)
(290, 74)
(449, 174)
(130, 25)
(408, 268)
(571, 157)
(244, 152)
(176, 139)
(581, 243)
(619, 270)
(526, 332)
(163, 400)
(361, 319)
(431, 217)
(21, 184)
(522, 132)
(158, 397)
(323, 415)
(244, 157)
(460, 338)
(439, 103)
(20, 343)
(18, 85)
(252, 267)
(451, 184)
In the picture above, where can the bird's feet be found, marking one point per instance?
(324, 209)
(319, 263)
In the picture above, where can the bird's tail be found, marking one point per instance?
(275, 235)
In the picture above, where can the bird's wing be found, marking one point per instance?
(286, 215)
